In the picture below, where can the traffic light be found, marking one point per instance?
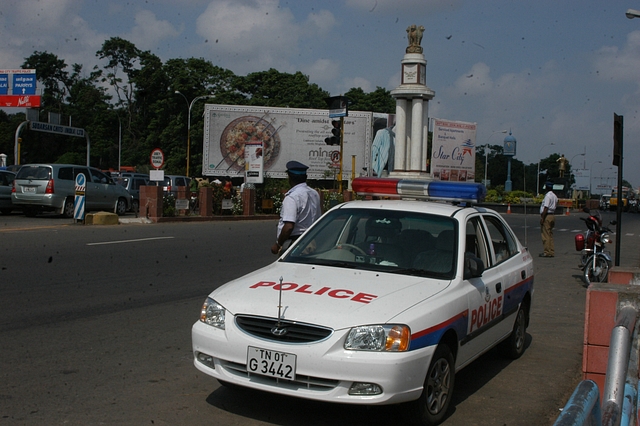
(334, 139)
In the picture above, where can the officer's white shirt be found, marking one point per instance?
(301, 205)
(550, 201)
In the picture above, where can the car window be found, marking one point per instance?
(503, 242)
(35, 173)
(65, 173)
(475, 241)
(98, 177)
(401, 242)
(138, 182)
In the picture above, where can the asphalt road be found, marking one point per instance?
(95, 329)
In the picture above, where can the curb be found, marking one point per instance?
(229, 218)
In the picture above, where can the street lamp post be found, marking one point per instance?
(486, 155)
(190, 105)
(590, 169)
(119, 143)
(538, 176)
(632, 13)
(571, 162)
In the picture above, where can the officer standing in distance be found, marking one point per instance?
(300, 207)
(548, 220)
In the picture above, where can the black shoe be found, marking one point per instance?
(545, 255)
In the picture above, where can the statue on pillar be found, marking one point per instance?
(414, 34)
(562, 165)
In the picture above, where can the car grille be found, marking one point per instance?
(262, 327)
(301, 381)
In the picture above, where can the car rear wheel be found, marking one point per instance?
(135, 206)
(434, 401)
(68, 208)
(513, 347)
(121, 207)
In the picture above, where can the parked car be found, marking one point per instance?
(6, 185)
(52, 187)
(378, 302)
(172, 182)
(132, 183)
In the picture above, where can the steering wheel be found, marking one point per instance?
(350, 246)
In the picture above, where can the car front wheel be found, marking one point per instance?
(121, 207)
(431, 407)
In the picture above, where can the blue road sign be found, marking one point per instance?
(4, 84)
(24, 84)
(78, 202)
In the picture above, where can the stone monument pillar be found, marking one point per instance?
(412, 111)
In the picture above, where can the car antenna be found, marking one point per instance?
(279, 302)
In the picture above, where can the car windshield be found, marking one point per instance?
(382, 240)
(34, 172)
(123, 181)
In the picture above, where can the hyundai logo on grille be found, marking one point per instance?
(279, 331)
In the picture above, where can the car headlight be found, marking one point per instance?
(382, 338)
(212, 313)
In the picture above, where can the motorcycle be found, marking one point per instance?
(595, 260)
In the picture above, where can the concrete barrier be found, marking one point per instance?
(101, 218)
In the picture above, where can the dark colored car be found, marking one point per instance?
(6, 185)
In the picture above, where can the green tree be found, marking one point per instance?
(276, 89)
(379, 100)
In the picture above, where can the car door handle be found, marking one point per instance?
(523, 274)
(499, 288)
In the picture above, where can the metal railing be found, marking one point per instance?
(619, 398)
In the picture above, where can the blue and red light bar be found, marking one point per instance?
(470, 192)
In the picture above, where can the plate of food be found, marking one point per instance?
(248, 129)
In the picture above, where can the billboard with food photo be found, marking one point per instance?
(284, 134)
(453, 150)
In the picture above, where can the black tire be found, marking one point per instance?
(514, 346)
(121, 207)
(68, 208)
(135, 206)
(433, 404)
(601, 272)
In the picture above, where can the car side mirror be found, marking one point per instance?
(473, 266)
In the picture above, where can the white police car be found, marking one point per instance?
(380, 302)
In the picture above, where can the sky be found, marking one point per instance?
(549, 71)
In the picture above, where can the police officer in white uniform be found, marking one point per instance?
(300, 207)
(548, 220)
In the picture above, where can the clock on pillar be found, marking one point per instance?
(509, 146)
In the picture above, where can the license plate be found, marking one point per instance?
(29, 189)
(271, 363)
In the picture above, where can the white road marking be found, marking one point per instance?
(129, 241)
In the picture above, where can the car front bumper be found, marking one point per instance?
(325, 371)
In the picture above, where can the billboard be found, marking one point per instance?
(583, 179)
(453, 153)
(285, 134)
